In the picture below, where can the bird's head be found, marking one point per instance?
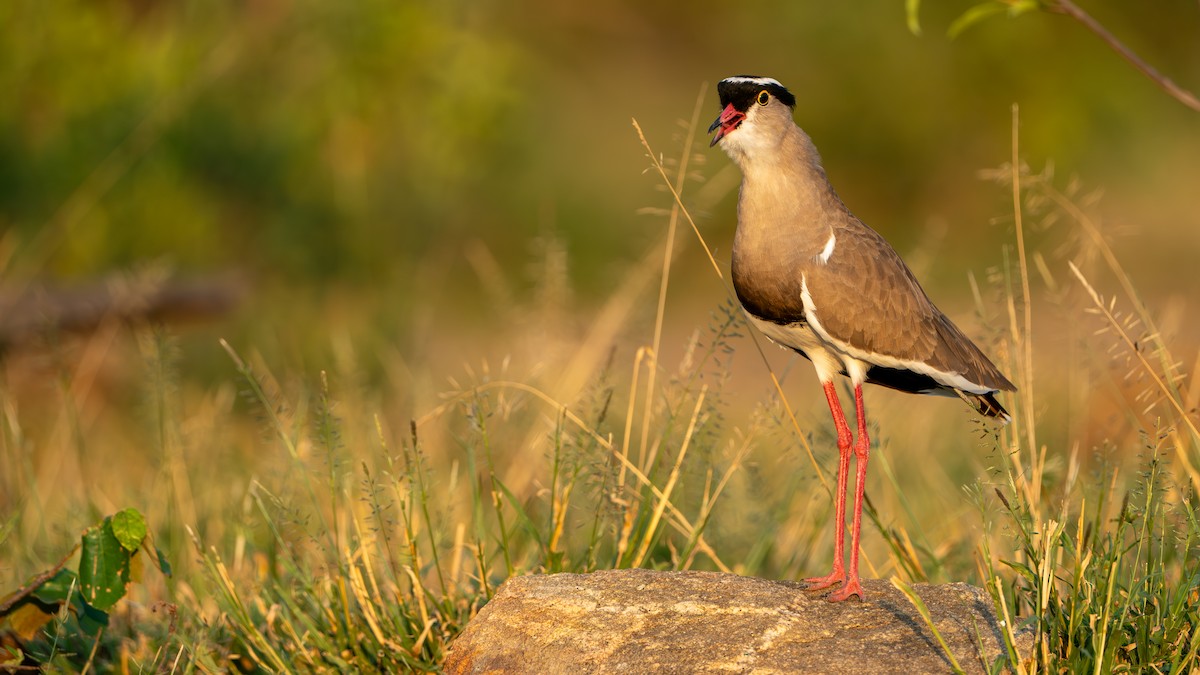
(757, 110)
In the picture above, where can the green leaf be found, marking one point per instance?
(923, 610)
(1020, 7)
(522, 517)
(911, 10)
(974, 15)
(161, 559)
(57, 588)
(1021, 569)
(38, 603)
(91, 620)
(129, 526)
(555, 560)
(103, 567)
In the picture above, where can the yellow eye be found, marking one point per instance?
(763, 97)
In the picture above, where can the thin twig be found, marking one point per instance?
(661, 310)
(1069, 8)
(9, 601)
(667, 489)
(87, 667)
(1026, 338)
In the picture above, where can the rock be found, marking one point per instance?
(641, 621)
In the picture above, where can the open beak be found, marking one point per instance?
(729, 120)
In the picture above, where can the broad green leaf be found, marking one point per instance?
(129, 526)
(43, 602)
(58, 587)
(974, 15)
(91, 620)
(41, 606)
(103, 567)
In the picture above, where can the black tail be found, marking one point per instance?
(986, 405)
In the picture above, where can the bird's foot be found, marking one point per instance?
(852, 587)
(817, 583)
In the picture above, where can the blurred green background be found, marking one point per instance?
(399, 169)
(420, 197)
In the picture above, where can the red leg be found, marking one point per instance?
(843, 431)
(862, 448)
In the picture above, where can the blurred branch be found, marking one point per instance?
(1014, 8)
(28, 315)
(1069, 8)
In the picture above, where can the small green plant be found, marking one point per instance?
(1107, 586)
(81, 599)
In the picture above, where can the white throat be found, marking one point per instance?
(753, 142)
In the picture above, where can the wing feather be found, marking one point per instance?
(868, 298)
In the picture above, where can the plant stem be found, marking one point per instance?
(1025, 340)
(1069, 8)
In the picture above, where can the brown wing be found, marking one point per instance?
(867, 297)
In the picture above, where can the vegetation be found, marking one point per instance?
(434, 388)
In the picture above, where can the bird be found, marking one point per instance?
(814, 278)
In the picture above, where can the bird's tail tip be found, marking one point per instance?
(988, 406)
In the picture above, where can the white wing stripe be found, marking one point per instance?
(827, 252)
(949, 379)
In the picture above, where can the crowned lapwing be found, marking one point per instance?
(814, 278)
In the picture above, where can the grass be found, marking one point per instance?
(315, 524)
